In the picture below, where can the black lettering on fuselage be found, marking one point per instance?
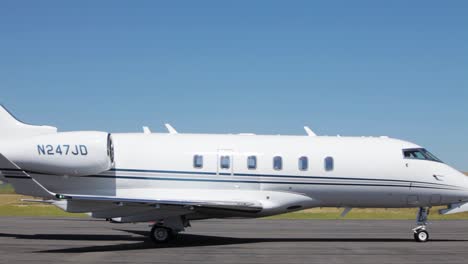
(41, 149)
(63, 150)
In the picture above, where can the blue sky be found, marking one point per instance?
(396, 68)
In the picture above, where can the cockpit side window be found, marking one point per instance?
(431, 156)
(420, 154)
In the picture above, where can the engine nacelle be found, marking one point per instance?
(67, 153)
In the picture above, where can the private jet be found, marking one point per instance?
(170, 179)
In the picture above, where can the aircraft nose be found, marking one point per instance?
(464, 183)
(465, 177)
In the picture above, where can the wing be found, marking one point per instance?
(26, 184)
(158, 200)
(209, 203)
(150, 204)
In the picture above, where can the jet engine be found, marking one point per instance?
(66, 153)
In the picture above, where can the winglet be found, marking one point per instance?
(146, 130)
(170, 129)
(309, 132)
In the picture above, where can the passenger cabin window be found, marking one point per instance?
(303, 163)
(420, 154)
(252, 162)
(277, 163)
(329, 164)
(225, 162)
(198, 161)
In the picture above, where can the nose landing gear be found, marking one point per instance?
(421, 235)
(420, 232)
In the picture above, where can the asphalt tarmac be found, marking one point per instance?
(41, 240)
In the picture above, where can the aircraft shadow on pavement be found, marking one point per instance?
(183, 240)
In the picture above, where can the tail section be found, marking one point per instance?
(11, 128)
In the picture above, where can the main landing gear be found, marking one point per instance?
(161, 234)
(167, 229)
(420, 232)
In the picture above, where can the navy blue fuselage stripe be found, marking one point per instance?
(278, 176)
(165, 171)
(407, 183)
(17, 173)
(17, 177)
(5, 169)
(28, 171)
(267, 182)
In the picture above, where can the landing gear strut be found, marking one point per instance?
(420, 232)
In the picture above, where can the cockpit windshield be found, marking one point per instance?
(419, 153)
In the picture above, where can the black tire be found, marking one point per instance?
(160, 234)
(421, 236)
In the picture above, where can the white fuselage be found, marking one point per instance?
(366, 172)
(172, 179)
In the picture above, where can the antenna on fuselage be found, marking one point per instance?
(170, 129)
(309, 132)
(346, 211)
(146, 130)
